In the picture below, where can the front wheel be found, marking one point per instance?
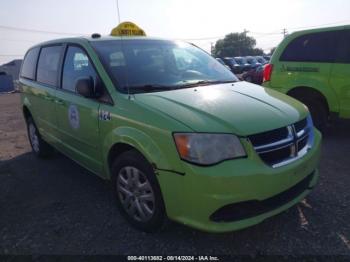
(137, 192)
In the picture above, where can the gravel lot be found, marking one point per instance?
(55, 206)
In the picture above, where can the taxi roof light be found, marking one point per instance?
(127, 29)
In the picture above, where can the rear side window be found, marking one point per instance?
(316, 47)
(343, 50)
(29, 64)
(48, 65)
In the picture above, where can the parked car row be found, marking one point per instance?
(240, 64)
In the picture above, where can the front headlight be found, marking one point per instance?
(208, 149)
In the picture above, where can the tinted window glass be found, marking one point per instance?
(48, 65)
(343, 54)
(230, 61)
(317, 47)
(77, 65)
(29, 64)
(239, 61)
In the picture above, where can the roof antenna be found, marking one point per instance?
(118, 11)
(122, 47)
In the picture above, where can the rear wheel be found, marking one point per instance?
(39, 146)
(137, 192)
(318, 112)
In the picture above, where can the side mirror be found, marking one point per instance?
(85, 87)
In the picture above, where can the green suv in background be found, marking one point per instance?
(313, 66)
(174, 130)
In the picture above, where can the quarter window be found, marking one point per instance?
(316, 47)
(29, 64)
(76, 65)
(343, 54)
(48, 65)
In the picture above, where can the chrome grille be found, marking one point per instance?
(282, 146)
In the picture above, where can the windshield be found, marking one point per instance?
(232, 61)
(260, 59)
(251, 60)
(241, 60)
(142, 65)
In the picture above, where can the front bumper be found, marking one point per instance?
(193, 199)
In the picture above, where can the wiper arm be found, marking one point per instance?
(206, 82)
(156, 87)
(150, 88)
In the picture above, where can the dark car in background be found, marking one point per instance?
(267, 58)
(261, 60)
(223, 63)
(253, 62)
(233, 65)
(254, 75)
(242, 61)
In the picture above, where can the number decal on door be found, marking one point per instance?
(105, 115)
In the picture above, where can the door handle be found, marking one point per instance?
(59, 102)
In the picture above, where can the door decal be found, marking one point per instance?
(73, 116)
(105, 115)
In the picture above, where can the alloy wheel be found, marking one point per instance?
(136, 194)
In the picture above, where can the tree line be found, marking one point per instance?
(237, 44)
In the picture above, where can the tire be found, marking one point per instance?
(39, 146)
(137, 192)
(318, 112)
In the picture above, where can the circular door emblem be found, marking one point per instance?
(73, 116)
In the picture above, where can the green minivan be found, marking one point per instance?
(313, 66)
(176, 133)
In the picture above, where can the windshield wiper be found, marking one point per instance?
(206, 82)
(149, 88)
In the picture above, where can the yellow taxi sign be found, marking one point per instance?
(127, 29)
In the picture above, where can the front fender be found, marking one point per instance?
(137, 139)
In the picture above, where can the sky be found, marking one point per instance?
(24, 23)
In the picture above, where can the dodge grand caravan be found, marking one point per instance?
(174, 130)
(313, 66)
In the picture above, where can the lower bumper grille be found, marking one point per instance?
(248, 209)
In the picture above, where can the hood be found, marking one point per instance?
(240, 108)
